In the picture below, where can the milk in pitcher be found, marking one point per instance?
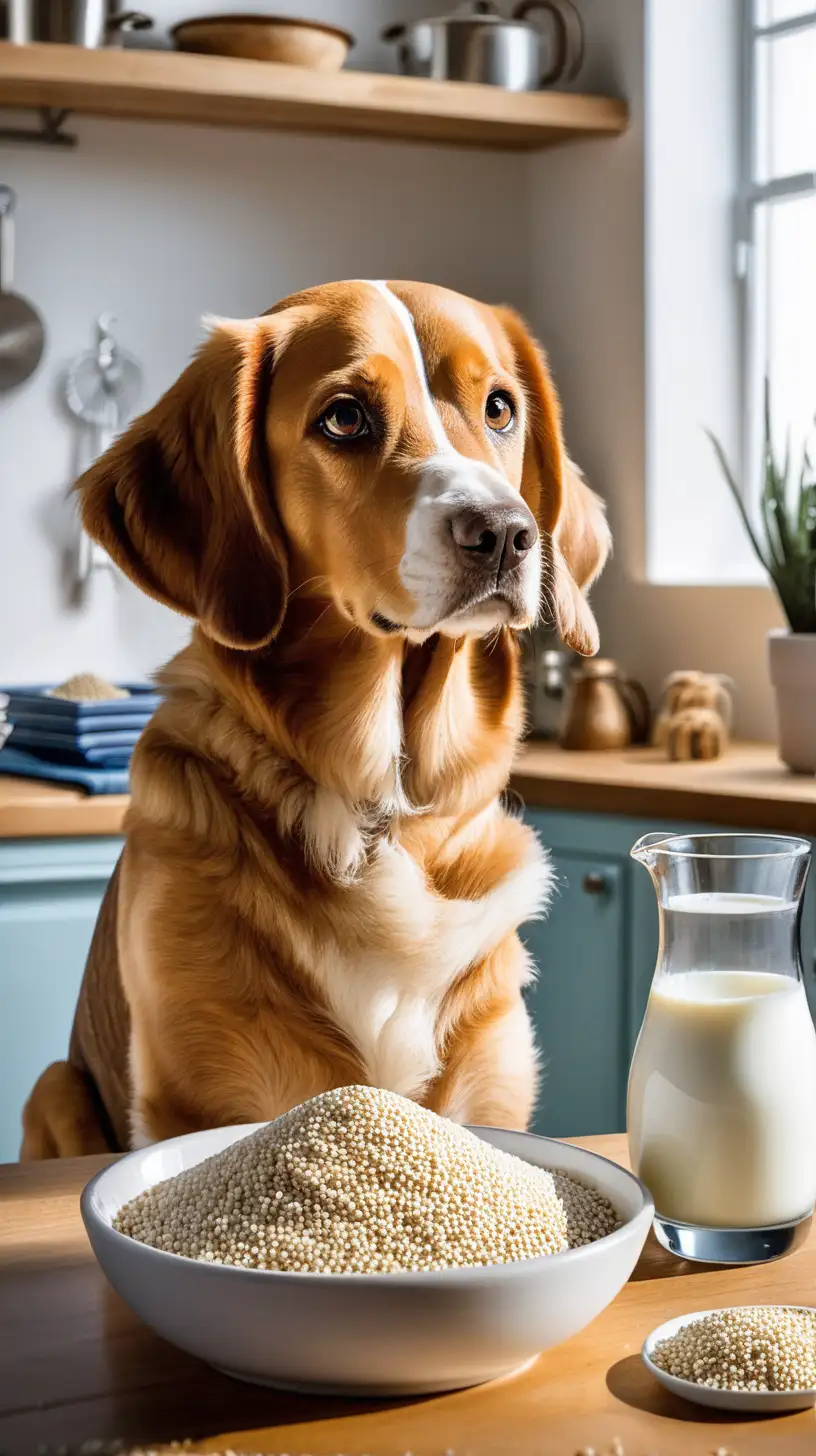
(722, 1089)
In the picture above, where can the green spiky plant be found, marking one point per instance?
(788, 515)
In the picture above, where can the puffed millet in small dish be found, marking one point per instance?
(760, 1347)
(361, 1181)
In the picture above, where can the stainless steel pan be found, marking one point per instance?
(22, 336)
(88, 23)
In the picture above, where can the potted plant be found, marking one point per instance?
(787, 550)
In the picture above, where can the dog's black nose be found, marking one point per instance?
(497, 537)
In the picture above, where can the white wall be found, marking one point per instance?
(588, 270)
(161, 224)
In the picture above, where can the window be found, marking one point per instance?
(776, 224)
(730, 211)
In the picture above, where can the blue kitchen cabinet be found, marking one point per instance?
(576, 1003)
(50, 893)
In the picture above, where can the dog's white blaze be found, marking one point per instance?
(449, 481)
(388, 1004)
(432, 415)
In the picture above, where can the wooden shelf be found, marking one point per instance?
(166, 86)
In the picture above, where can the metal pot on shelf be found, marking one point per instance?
(481, 45)
(87, 23)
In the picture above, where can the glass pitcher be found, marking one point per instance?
(722, 1090)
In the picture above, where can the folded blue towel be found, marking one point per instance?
(90, 734)
(92, 780)
(106, 749)
(68, 728)
(143, 700)
(35, 739)
(81, 757)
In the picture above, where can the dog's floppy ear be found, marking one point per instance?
(581, 544)
(567, 511)
(183, 502)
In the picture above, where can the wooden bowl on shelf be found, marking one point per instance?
(266, 38)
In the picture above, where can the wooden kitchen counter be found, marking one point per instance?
(748, 788)
(77, 1366)
(33, 809)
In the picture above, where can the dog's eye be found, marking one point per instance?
(344, 419)
(499, 411)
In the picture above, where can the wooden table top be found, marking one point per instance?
(748, 788)
(34, 809)
(77, 1366)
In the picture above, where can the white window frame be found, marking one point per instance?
(752, 195)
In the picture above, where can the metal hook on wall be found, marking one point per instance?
(50, 133)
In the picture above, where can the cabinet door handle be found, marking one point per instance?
(595, 884)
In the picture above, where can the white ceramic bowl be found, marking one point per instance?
(760, 1402)
(372, 1334)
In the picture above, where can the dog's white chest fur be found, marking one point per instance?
(387, 1000)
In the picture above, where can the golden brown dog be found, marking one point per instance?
(360, 498)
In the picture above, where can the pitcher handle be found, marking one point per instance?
(638, 704)
(569, 37)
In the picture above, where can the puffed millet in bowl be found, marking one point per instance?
(362, 1181)
(761, 1347)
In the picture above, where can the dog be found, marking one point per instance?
(361, 498)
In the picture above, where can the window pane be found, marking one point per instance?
(790, 260)
(786, 99)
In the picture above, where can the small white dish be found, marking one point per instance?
(372, 1334)
(761, 1402)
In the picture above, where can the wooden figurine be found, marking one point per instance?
(694, 720)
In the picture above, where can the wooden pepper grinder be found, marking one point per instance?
(605, 709)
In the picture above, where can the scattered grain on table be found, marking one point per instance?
(188, 1447)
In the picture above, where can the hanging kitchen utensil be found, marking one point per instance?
(22, 336)
(481, 45)
(101, 389)
(102, 385)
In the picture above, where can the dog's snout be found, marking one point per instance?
(497, 537)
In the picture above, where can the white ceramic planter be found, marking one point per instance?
(792, 662)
